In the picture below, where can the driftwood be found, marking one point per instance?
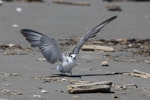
(97, 47)
(71, 3)
(124, 87)
(103, 87)
(138, 73)
(24, 0)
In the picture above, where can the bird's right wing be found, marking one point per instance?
(47, 45)
(91, 33)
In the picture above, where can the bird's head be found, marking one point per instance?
(73, 56)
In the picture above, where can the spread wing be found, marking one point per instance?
(91, 33)
(47, 45)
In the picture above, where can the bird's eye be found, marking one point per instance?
(71, 56)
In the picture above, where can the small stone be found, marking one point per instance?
(122, 40)
(40, 88)
(130, 45)
(61, 91)
(11, 45)
(111, 7)
(18, 9)
(17, 93)
(44, 91)
(75, 97)
(64, 79)
(147, 61)
(1, 2)
(115, 96)
(41, 59)
(14, 74)
(105, 63)
(15, 25)
(36, 96)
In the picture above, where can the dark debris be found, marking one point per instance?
(14, 49)
(24, 0)
(136, 46)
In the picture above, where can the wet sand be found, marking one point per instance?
(21, 76)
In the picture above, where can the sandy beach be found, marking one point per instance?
(23, 77)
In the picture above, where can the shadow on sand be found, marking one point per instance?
(79, 76)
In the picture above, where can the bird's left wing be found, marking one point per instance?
(47, 45)
(91, 33)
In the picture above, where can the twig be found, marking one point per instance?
(71, 3)
(98, 47)
(138, 73)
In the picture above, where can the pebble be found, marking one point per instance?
(11, 45)
(36, 96)
(115, 96)
(111, 7)
(105, 63)
(15, 25)
(1, 2)
(41, 59)
(18, 9)
(44, 91)
(76, 97)
(15, 74)
(61, 91)
(64, 79)
(147, 61)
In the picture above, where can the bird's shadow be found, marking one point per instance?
(81, 75)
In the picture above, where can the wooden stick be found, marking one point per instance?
(71, 3)
(138, 73)
(103, 87)
(97, 47)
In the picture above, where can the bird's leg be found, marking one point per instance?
(70, 73)
(61, 73)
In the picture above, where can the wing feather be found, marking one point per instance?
(91, 33)
(47, 45)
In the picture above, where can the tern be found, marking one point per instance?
(51, 51)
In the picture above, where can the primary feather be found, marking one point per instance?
(91, 33)
(47, 45)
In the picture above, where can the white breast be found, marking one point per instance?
(68, 64)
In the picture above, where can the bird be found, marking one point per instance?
(51, 51)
